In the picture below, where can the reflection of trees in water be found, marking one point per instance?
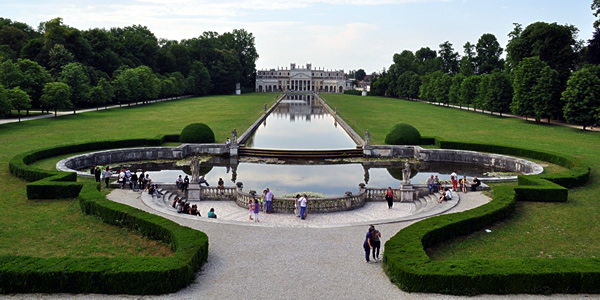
(397, 173)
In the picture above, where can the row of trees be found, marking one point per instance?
(545, 64)
(120, 65)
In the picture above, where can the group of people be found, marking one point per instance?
(182, 183)
(184, 207)
(125, 177)
(266, 200)
(433, 183)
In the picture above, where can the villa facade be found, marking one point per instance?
(301, 79)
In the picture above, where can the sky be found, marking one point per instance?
(330, 34)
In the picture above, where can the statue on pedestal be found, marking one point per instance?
(195, 168)
(406, 173)
(367, 138)
(234, 136)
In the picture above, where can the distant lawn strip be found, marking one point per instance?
(131, 275)
(408, 265)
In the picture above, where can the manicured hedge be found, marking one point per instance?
(407, 264)
(134, 275)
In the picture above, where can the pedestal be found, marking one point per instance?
(407, 193)
(193, 192)
(233, 150)
(238, 92)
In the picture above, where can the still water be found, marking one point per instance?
(299, 176)
(300, 122)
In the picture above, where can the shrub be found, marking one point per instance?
(403, 134)
(197, 133)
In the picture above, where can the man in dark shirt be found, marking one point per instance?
(474, 184)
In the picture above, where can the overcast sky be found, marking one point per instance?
(334, 34)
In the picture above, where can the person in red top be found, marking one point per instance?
(389, 196)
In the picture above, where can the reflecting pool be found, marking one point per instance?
(300, 122)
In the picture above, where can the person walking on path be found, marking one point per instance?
(376, 243)
(454, 179)
(303, 204)
(269, 200)
(367, 244)
(389, 196)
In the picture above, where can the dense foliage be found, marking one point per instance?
(540, 60)
(120, 65)
(403, 134)
(197, 133)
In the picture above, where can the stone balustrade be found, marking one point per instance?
(215, 193)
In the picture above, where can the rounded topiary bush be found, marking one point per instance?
(403, 134)
(197, 133)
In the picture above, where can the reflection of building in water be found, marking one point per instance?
(301, 79)
(299, 106)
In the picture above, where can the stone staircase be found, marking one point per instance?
(428, 206)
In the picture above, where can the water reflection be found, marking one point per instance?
(300, 123)
(299, 176)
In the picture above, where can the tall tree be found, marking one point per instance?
(199, 79)
(101, 94)
(360, 74)
(56, 96)
(449, 58)
(5, 105)
(19, 100)
(468, 90)
(582, 97)
(427, 61)
(467, 62)
(499, 93)
(488, 54)
(547, 94)
(454, 93)
(75, 77)
(554, 44)
(531, 84)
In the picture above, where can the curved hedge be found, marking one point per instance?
(408, 265)
(130, 275)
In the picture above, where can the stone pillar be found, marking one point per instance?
(233, 149)
(193, 192)
(407, 193)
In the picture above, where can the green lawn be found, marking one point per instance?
(536, 229)
(50, 228)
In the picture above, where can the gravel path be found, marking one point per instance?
(270, 261)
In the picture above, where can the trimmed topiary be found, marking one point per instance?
(403, 134)
(197, 133)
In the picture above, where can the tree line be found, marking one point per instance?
(57, 67)
(547, 73)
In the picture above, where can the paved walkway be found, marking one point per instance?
(270, 261)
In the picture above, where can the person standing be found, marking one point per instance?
(436, 184)
(186, 183)
(107, 173)
(376, 243)
(303, 204)
(97, 173)
(250, 209)
(454, 179)
(269, 200)
(256, 210)
(297, 206)
(389, 196)
(134, 182)
(367, 244)
(430, 184)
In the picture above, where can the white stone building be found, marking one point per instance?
(301, 79)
